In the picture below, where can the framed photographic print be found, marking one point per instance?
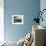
(17, 19)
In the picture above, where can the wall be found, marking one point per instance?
(28, 8)
(43, 6)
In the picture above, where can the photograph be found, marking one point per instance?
(17, 19)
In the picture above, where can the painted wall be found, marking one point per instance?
(28, 8)
(43, 6)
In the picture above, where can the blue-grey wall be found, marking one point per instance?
(28, 8)
(43, 6)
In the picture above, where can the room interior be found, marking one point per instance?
(15, 33)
